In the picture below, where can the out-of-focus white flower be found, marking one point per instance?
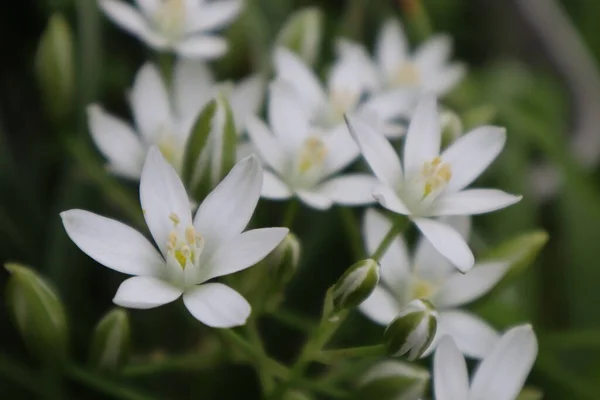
(500, 376)
(426, 70)
(346, 87)
(192, 251)
(429, 184)
(185, 27)
(302, 160)
(165, 119)
(428, 275)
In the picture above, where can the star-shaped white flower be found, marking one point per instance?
(183, 26)
(165, 119)
(429, 184)
(302, 160)
(345, 92)
(429, 276)
(500, 376)
(191, 251)
(426, 70)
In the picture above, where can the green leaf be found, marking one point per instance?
(197, 141)
(229, 143)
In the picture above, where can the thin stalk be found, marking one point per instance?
(293, 320)
(290, 214)
(351, 228)
(104, 385)
(266, 379)
(185, 362)
(333, 356)
(398, 226)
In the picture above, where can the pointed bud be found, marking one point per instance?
(355, 285)
(283, 261)
(392, 380)
(55, 67)
(38, 314)
(110, 343)
(412, 331)
(452, 127)
(302, 33)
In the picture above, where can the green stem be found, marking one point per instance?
(352, 232)
(186, 362)
(334, 356)
(398, 226)
(290, 214)
(293, 320)
(104, 385)
(266, 379)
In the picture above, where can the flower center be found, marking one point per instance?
(421, 289)
(341, 101)
(187, 245)
(406, 75)
(312, 155)
(435, 175)
(170, 19)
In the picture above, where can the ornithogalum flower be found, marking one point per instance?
(500, 376)
(165, 119)
(426, 70)
(302, 161)
(191, 251)
(429, 276)
(345, 92)
(429, 184)
(185, 27)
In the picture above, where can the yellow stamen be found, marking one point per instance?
(407, 74)
(313, 153)
(190, 235)
(175, 218)
(421, 289)
(436, 175)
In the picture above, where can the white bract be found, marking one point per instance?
(302, 160)
(429, 184)
(426, 70)
(165, 119)
(428, 275)
(185, 27)
(500, 376)
(346, 87)
(192, 251)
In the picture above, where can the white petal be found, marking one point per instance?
(365, 69)
(267, 146)
(350, 190)
(430, 264)
(392, 47)
(292, 69)
(202, 47)
(242, 251)
(112, 244)
(315, 200)
(473, 202)
(460, 289)
(287, 117)
(345, 76)
(274, 188)
(471, 154)
(450, 376)
(131, 20)
(434, 52)
(215, 15)
(148, 7)
(444, 80)
(117, 141)
(226, 211)
(144, 292)
(473, 336)
(381, 307)
(246, 99)
(217, 305)
(389, 199)
(448, 242)
(395, 262)
(391, 104)
(503, 372)
(193, 87)
(424, 136)
(162, 194)
(377, 151)
(150, 103)
(342, 150)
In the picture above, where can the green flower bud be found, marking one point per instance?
(110, 343)
(38, 314)
(302, 33)
(54, 65)
(394, 380)
(412, 331)
(355, 285)
(283, 261)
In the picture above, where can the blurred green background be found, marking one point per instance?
(516, 80)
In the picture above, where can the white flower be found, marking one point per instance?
(182, 26)
(428, 275)
(500, 376)
(427, 70)
(303, 161)
(165, 119)
(192, 251)
(429, 184)
(347, 84)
